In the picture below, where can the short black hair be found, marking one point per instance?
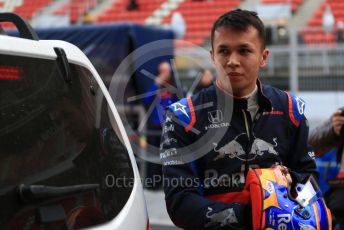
(240, 20)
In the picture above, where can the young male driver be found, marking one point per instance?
(266, 128)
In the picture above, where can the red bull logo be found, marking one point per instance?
(231, 149)
(259, 147)
(225, 217)
(234, 149)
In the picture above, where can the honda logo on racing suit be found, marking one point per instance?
(216, 120)
(215, 116)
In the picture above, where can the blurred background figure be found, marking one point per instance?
(204, 79)
(323, 138)
(340, 29)
(178, 25)
(132, 5)
(2, 31)
(156, 105)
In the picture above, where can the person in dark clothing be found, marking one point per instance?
(203, 80)
(323, 138)
(212, 139)
(132, 5)
(2, 31)
(158, 102)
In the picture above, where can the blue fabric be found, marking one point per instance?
(327, 168)
(195, 171)
(164, 99)
(106, 45)
(163, 50)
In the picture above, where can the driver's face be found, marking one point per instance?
(238, 56)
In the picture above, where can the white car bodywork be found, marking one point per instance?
(134, 214)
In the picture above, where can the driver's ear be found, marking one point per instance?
(264, 59)
(211, 52)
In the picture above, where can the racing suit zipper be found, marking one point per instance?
(248, 148)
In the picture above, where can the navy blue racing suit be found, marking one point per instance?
(210, 141)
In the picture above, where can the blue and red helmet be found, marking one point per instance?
(273, 207)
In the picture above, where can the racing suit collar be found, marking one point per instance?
(241, 103)
(264, 102)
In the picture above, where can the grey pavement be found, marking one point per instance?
(158, 217)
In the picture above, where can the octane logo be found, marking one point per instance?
(134, 63)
